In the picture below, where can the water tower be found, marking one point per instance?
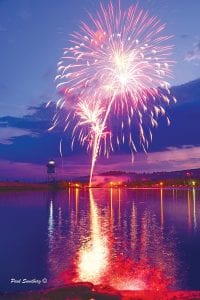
(51, 170)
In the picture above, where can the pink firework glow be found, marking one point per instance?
(116, 69)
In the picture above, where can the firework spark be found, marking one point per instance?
(116, 69)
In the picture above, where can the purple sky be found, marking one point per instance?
(169, 160)
(32, 36)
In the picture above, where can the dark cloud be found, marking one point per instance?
(194, 54)
(33, 143)
(184, 35)
(8, 133)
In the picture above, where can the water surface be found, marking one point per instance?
(127, 238)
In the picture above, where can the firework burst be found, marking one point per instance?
(117, 65)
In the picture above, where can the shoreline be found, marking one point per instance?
(86, 290)
(62, 185)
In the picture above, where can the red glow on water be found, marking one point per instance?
(97, 262)
(125, 274)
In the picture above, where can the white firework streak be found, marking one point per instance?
(119, 64)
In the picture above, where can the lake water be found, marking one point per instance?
(127, 238)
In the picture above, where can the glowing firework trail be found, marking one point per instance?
(117, 65)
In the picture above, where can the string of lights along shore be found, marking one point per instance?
(113, 76)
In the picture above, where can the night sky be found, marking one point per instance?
(32, 36)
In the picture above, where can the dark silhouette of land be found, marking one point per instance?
(174, 179)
